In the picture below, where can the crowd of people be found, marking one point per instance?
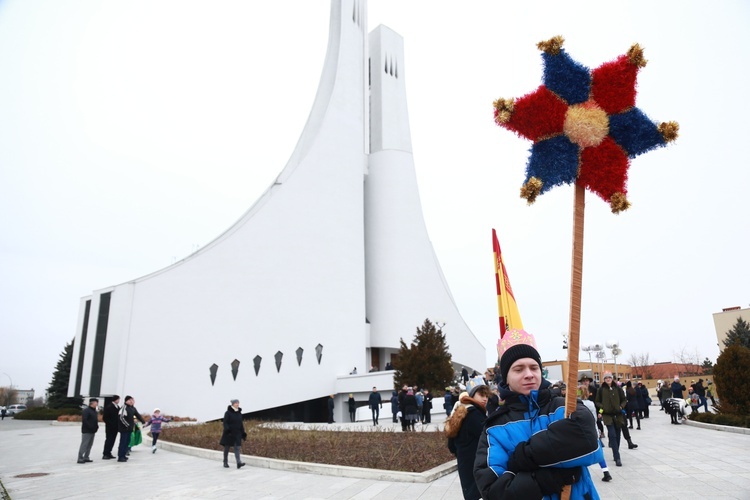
(119, 420)
(499, 425)
(675, 401)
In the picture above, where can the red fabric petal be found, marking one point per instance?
(613, 85)
(538, 115)
(604, 169)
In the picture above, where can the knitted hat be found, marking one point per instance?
(607, 374)
(515, 345)
(235, 401)
(474, 384)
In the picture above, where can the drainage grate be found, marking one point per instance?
(33, 474)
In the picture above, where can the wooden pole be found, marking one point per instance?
(574, 326)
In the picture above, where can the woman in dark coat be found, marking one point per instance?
(464, 428)
(394, 406)
(410, 411)
(234, 432)
(352, 407)
(633, 408)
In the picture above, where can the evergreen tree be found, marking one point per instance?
(708, 366)
(739, 334)
(730, 377)
(57, 392)
(426, 362)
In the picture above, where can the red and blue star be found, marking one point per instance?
(584, 125)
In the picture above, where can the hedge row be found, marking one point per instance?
(42, 413)
(721, 419)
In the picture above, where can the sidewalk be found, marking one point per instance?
(671, 462)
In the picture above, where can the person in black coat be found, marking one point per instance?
(126, 424)
(394, 406)
(110, 417)
(464, 428)
(375, 402)
(89, 426)
(645, 396)
(427, 407)
(234, 432)
(633, 408)
(409, 411)
(352, 408)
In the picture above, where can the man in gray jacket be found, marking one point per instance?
(89, 426)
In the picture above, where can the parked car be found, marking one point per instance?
(14, 409)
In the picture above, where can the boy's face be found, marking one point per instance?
(524, 376)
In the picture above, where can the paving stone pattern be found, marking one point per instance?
(671, 462)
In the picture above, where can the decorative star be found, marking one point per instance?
(584, 125)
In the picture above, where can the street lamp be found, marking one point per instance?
(602, 357)
(11, 380)
(589, 349)
(616, 351)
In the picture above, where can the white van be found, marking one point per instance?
(13, 409)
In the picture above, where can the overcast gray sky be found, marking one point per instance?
(131, 133)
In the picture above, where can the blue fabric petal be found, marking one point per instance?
(566, 77)
(553, 161)
(634, 132)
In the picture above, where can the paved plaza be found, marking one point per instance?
(671, 462)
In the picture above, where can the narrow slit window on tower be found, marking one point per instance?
(278, 357)
(235, 368)
(396, 70)
(212, 371)
(256, 364)
(319, 352)
(299, 356)
(82, 348)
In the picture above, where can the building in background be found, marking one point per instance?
(24, 396)
(725, 320)
(327, 271)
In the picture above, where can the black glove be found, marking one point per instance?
(551, 480)
(519, 462)
(244, 436)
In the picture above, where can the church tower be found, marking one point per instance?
(328, 270)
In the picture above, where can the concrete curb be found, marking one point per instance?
(717, 427)
(321, 469)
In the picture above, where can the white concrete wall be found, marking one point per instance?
(291, 272)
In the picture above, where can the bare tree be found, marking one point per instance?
(8, 396)
(639, 362)
(634, 360)
(645, 360)
(689, 362)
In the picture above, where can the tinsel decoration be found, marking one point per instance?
(584, 125)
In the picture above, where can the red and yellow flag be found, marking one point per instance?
(507, 309)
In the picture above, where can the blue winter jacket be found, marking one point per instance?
(534, 431)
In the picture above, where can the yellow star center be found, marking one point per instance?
(586, 124)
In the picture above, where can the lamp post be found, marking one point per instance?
(602, 357)
(615, 346)
(589, 349)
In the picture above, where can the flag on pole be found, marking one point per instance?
(507, 309)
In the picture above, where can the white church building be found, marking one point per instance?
(328, 270)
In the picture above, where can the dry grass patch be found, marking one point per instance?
(388, 450)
